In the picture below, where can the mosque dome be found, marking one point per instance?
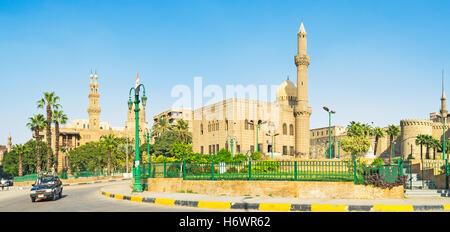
(287, 90)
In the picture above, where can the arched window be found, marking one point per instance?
(246, 124)
(291, 129)
(284, 129)
(217, 125)
(201, 130)
(209, 127)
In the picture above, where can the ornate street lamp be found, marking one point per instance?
(329, 126)
(137, 171)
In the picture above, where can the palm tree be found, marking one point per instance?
(421, 140)
(20, 149)
(50, 102)
(59, 118)
(161, 126)
(368, 130)
(379, 133)
(435, 144)
(183, 130)
(36, 124)
(392, 131)
(428, 144)
(110, 142)
(355, 129)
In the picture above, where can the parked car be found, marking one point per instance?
(6, 182)
(47, 186)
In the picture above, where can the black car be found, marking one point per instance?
(46, 187)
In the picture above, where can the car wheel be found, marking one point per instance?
(54, 196)
(60, 194)
(33, 199)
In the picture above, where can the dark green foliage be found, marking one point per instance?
(164, 143)
(223, 156)
(256, 155)
(11, 159)
(239, 157)
(377, 162)
(94, 156)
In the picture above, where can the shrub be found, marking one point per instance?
(256, 155)
(239, 157)
(377, 162)
(377, 181)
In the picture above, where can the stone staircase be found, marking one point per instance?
(423, 188)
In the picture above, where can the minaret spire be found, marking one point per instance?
(443, 98)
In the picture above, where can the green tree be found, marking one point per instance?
(428, 144)
(110, 142)
(182, 128)
(435, 144)
(161, 127)
(379, 133)
(164, 143)
(20, 149)
(356, 145)
(355, 129)
(36, 124)
(421, 140)
(11, 160)
(392, 131)
(181, 150)
(49, 101)
(59, 118)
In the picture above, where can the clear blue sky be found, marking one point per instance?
(371, 61)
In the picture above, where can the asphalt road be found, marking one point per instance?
(80, 198)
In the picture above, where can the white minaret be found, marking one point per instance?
(302, 111)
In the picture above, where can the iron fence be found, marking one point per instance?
(334, 171)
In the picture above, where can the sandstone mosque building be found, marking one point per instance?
(281, 126)
(236, 120)
(82, 131)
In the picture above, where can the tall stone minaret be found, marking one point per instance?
(302, 111)
(8, 149)
(443, 111)
(94, 108)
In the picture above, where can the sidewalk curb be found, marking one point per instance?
(278, 207)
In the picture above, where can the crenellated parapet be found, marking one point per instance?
(416, 122)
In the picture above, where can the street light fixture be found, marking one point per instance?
(257, 125)
(148, 142)
(273, 145)
(137, 171)
(329, 126)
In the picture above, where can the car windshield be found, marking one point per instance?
(45, 180)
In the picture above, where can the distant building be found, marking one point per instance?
(81, 131)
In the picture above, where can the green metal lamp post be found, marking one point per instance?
(273, 145)
(137, 171)
(329, 126)
(393, 150)
(257, 125)
(148, 143)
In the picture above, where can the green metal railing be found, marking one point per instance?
(272, 171)
(29, 177)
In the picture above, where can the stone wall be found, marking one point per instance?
(69, 181)
(295, 189)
